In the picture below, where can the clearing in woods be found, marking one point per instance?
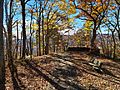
(66, 71)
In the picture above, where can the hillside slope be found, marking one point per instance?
(67, 71)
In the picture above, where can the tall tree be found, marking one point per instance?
(43, 32)
(23, 3)
(2, 62)
(39, 28)
(23, 28)
(92, 10)
(9, 28)
(116, 14)
(31, 11)
(16, 55)
(11, 65)
(111, 22)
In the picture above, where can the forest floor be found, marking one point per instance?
(65, 71)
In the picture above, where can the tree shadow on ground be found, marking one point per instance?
(17, 84)
(68, 71)
(54, 80)
(62, 76)
(114, 65)
(107, 72)
(79, 63)
(88, 69)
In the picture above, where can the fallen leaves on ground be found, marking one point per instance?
(67, 70)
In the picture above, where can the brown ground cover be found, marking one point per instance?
(66, 71)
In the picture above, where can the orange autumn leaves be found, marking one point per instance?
(69, 8)
(93, 8)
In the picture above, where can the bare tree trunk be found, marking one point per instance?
(57, 48)
(37, 48)
(119, 35)
(43, 51)
(31, 37)
(39, 29)
(47, 42)
(6, 44)
(17, 42)
(53, 45)
(2, 62)
(47, 38)
(103, 45)
(114, 46)
(93, 39)
(47, 45)
(23, 28)
(27, 47)
(21, 46)
(37, 42)
(10, 57)
(118, 17)
(9, 28)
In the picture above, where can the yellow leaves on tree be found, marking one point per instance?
(63, 0)
(67, 7)
(55, 4)
(81, 5)
(87, 28)
(96, 11)
(105, 19)
(88, 25)
(71, 10)
(17, 0)
(92, 8)
(35, 26)
(62, 5)
(35, 14)
(53, 16)
(94, 14)
(70, 20)
(101, 8)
